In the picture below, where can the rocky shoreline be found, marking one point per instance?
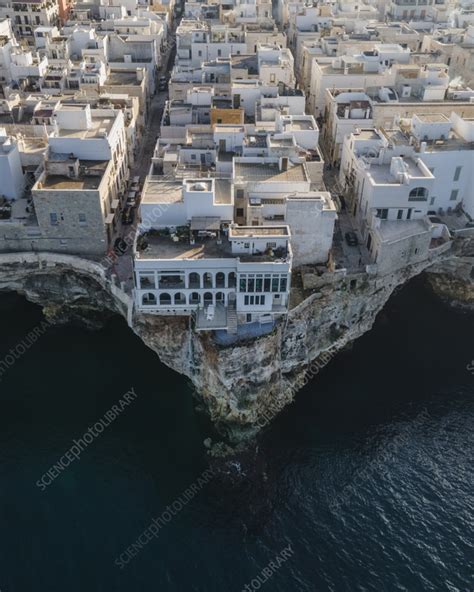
(244, 385)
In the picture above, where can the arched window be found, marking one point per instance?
(232, 280)
(179, 298)
(194, 298)
(194, 280)
(148, 299)
(418, 194)
(208, 280)
(220, 297)
(208, 299)
(220, 280)
(165, 298)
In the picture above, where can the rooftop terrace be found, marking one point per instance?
(100, 127)
(162, 246)
(269, 173)
(90, 178)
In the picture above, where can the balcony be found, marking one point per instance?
(211, 322)
(171, 284)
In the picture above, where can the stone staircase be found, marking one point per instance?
(231, 318)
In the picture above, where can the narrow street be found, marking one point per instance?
(148, 140)
(122, 267)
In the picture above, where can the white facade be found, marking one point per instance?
(247, 270)
(11, 174)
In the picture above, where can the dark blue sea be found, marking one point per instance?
(367, 477)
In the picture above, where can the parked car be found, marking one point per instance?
(120, 246)
(351, 239)
(162, 83)
(128, 215)
(131, 199)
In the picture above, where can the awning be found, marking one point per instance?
(110, 218)
(205, 224)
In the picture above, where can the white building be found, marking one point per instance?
(388, 190)
(224, 275)
(370, 68)
(11, 173)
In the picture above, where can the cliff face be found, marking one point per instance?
(64, 291)
(453, 279)
(245, 384)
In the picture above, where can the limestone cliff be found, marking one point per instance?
(242, 383)
(245, 382)
(453, 279)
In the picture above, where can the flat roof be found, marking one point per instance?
(298, 124)
(98, 125)
(160, 190)
(392, 230)
(381, 174)
(269, 173)
(432, 117)
(123, 77)
(256, 231)
(84, 181)
(163, 247)
(367, 134)
(61, 182)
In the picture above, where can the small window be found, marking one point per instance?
(193, 157)
(82, 219)
(199, 53)
(239, 194)
(454, 195)
(271, 245)
(240, 212)
(246, 245)
(457, 173)
(219, 52)
(432, 200)
(53, 218)
(400, 215)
